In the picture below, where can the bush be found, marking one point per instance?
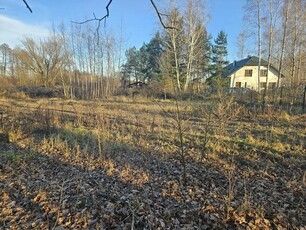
(42, 91)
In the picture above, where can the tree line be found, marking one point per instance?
(183, 56)
(275, 29)
(82, 62)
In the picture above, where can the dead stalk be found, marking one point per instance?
(230, 175)
(60, 205)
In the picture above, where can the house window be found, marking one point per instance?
(263, 73)
(263, 84)
(248, 73)
(238, 85)
(272, 85)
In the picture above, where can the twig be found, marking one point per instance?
(25, 2)
(97, 19)
(60, 202)
(133, 216)
(160, 16)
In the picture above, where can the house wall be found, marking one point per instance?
(252, 82)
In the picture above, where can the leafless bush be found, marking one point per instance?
(179, 116)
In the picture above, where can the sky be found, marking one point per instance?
(136, 18)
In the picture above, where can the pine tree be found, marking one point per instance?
(154, 50)
(219, 54)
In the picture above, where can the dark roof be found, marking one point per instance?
(249, 61)
(136, 84)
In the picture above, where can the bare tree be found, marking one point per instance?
(285, 7)
(258, 4)
(254, 7)
(297, 36)
(173, 42)
(186, 43)
(97, 58)
(46, 57)
(241, 40)
(5, 52)
(195, 32)
(294, 38)
(272, 17)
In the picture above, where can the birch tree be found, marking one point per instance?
(5, 52)
(254, 7)
(195, 32)
(296, 39)
(241, 45)
(272, 17)
(258, 10)
(184, 42)
(284, 24)
(174, 38)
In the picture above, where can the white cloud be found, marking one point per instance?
(13, 30)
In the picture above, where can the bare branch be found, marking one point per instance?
(25, 2)
(160, 16)
(98, 19)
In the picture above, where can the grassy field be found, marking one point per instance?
(119, 164)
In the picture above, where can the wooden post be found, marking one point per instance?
(304, 99)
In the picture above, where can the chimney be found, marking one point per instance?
(234, 63)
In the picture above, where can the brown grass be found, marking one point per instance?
(116, 163)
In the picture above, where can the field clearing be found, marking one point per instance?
(117, 164)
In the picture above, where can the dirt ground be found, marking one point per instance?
(118, 165)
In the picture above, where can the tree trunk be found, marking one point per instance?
(270, 52)
(259, 40)
(280, 68)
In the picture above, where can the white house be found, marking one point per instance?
(244, 73)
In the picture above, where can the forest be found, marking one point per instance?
(98, 135)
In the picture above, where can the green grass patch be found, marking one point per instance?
(19, 156)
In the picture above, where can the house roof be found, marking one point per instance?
(249, 61)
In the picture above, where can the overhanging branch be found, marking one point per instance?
(25, 2)
(160, 16)
(99, 20)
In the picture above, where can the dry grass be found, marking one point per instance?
(116, 163)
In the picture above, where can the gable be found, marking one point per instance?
(249, 61)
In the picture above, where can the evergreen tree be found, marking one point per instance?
(143, 64)
(207, 56)
(155, 51)
(149, 55)
(219, 54)
(130, 70)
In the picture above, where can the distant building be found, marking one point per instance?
(244, 73)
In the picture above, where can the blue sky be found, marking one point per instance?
(138, 20)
